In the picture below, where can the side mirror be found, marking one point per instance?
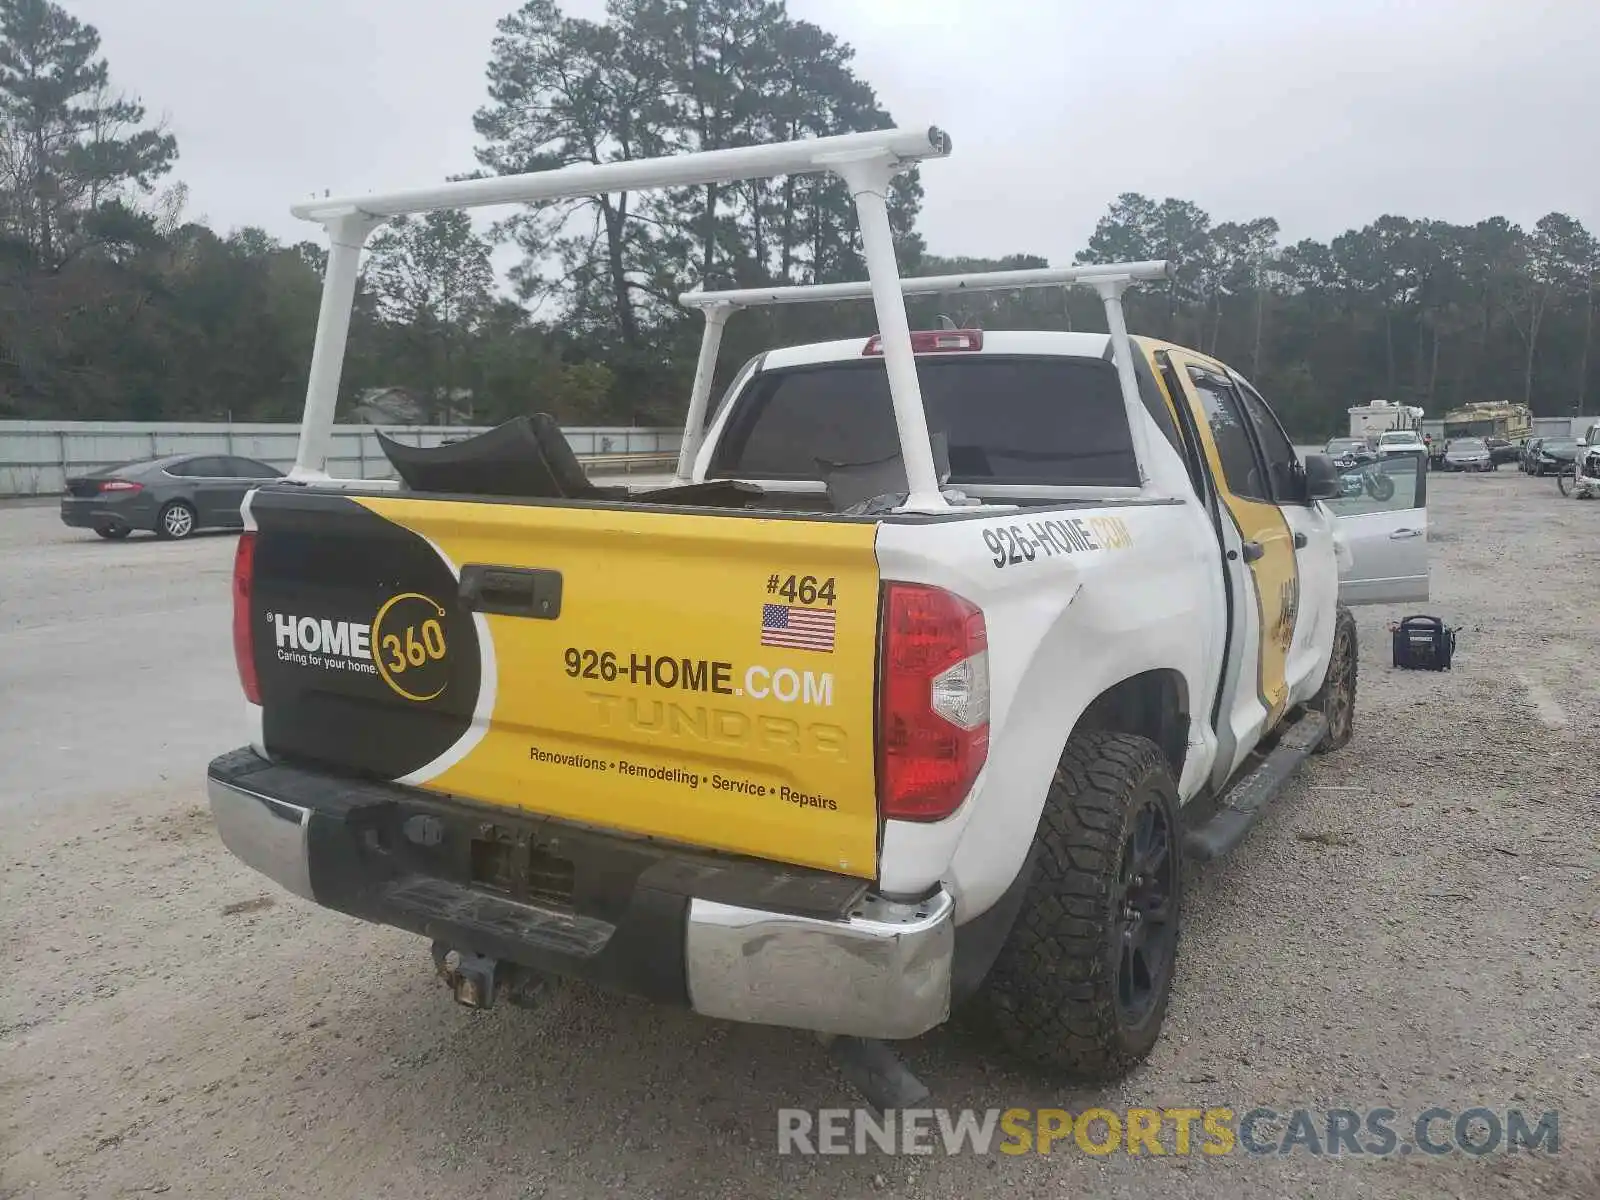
(1322, 480)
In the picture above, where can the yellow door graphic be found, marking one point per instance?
(1265, 541)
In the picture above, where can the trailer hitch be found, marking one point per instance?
(477, 981)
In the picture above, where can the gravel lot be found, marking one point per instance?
(1417, 922)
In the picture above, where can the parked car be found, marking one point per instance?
(1401, 441)
(171, 497)
(1503, 450)
(777, 770)
(1586, 479)
(1469, 454)
(1554, 454)
(1348, 452)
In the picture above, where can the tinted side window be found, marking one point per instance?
(1007, 420)
(249, 468)
(1225, 417)
(1275, 445)
(193, 468)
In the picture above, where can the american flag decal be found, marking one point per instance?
(797, 628)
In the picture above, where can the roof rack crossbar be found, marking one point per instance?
(1109, 280)
(927, 285)
(866, 162)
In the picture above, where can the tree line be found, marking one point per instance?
(114, 305)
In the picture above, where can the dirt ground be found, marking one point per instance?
(1415, 923)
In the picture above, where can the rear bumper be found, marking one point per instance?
(93, 512)
(728, 938)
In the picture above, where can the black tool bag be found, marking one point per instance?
(1423, 644)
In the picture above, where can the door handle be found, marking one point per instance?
(1299, 541)
(511, 591)
(1252, 551)
(1401, 534)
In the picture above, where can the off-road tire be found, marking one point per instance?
(1336, 698)
(1051, 997)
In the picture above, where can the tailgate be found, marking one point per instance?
(703, 678)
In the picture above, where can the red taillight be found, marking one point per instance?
(244, 628)
(120, 485)
(933, 341)
(933, 718)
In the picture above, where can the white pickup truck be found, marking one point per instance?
(913, 690)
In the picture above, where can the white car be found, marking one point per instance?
(1586, 474)
(916, 688)
(1401, 441)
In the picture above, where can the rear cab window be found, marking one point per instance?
(1005, 419)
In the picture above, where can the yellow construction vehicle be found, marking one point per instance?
(1489, 419)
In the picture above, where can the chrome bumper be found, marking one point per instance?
(272, 836)
(882, 972)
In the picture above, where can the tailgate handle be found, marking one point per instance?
(512, 591)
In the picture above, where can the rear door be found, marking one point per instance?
(1313, 531)
(211, 487)
(1383, 520)
(246, 473)
(1259, 555)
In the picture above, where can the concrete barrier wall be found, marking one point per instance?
(37, 457)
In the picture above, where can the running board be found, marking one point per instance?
(1243, 803)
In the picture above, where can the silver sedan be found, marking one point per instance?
(1469, 454)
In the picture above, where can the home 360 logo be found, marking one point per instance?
(404, 645)
(409, 647)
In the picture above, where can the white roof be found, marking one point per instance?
(1067, 345)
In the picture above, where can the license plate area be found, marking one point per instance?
(521, 866)
(552, 864)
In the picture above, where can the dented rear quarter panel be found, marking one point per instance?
(1063, 627)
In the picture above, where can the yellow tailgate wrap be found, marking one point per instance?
(709, 678)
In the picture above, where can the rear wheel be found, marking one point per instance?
(1080, 987)
(1566, 480)
(112, 533)
(1336, 698)
(177, 521)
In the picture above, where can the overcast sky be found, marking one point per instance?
(1322, 113)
